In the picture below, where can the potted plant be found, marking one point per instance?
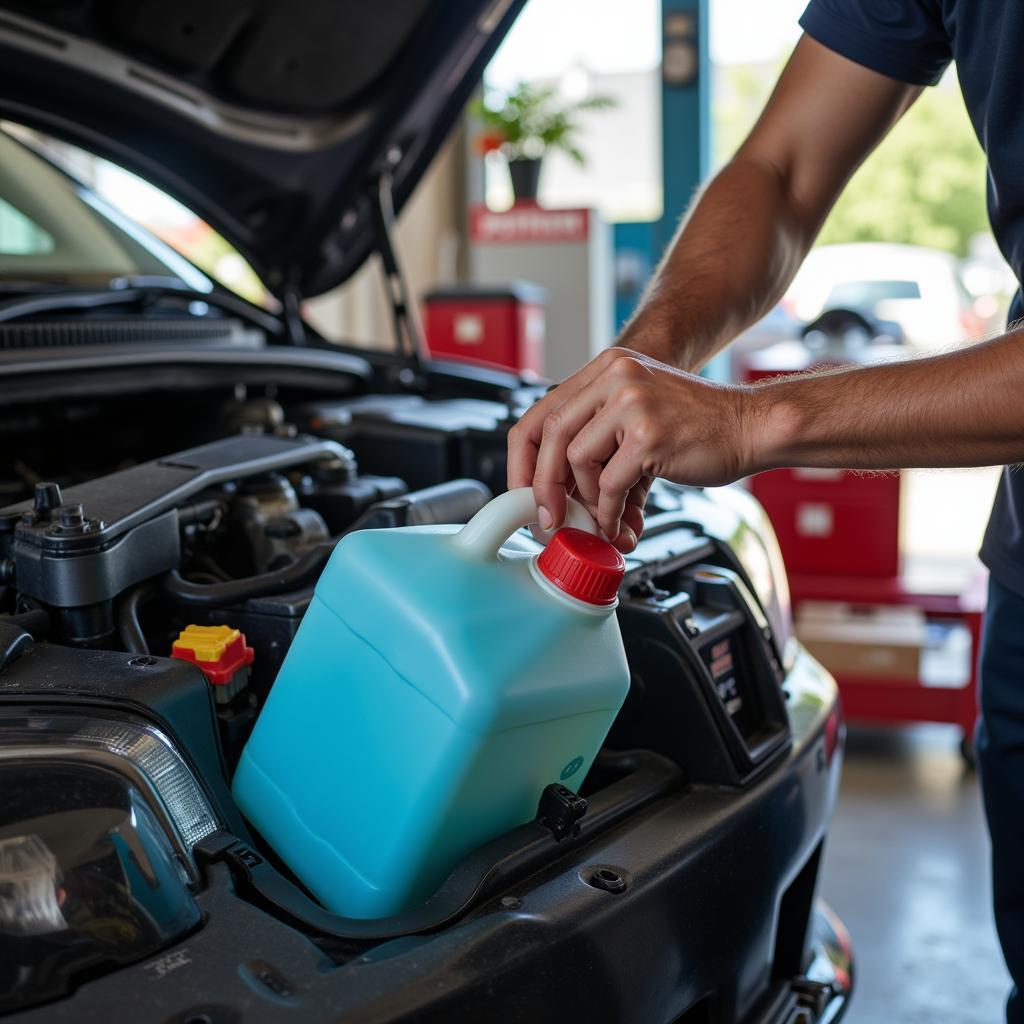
(529, 122)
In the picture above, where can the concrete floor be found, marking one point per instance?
(906, 867)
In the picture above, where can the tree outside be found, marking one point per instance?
(924, 185)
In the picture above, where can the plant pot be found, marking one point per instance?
(525, 175)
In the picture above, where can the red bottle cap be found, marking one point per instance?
(583, 566)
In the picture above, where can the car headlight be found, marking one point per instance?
(748, 532)
(98, 817)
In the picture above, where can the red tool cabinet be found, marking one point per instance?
(839, 534)
(500, 326)
(834, 522)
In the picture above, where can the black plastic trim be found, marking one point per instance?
(645, 778)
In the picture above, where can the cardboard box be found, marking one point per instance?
(876, 641)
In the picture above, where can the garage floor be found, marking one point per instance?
(906, 867)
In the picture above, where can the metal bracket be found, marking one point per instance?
(560, 810)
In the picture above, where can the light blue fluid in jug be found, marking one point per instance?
(434, 688)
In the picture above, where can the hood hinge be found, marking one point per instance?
(407, 330)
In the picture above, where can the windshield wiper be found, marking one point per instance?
(144, 291)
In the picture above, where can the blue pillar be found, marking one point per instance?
(685, 107)
(685, 119)
(685, 150)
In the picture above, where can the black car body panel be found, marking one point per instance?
(548, 948)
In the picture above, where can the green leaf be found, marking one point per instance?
(576, 154)
(533, 120)
(923, 185)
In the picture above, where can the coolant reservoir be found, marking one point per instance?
(436, 685)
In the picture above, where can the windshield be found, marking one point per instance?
(50, 234)
(869, 294)
(69, 217)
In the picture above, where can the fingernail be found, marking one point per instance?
(544, 518)
(628, 538)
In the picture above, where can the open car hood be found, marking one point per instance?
(271, 119)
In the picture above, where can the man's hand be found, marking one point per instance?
(613, 426)
(626, 418)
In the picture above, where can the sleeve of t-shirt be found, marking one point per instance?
(903, 39)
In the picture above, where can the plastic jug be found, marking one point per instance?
(435, 686)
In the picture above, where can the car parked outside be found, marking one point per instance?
(920, 289)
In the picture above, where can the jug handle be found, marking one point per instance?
(484, 534)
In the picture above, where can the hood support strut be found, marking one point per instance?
(407, 330)
(291, 313)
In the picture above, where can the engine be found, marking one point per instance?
(210, 554)
(231, 533)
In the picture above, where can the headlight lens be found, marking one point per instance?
(29, 898)
(132, 748)
(752, 539)
(153, 755)
(97, 821)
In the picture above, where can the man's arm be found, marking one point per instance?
(639, 419)
(743, 240)
(738, 249)
(962, 408)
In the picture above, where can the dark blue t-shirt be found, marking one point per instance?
(914, 41)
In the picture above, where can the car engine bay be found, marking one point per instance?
(221, 513)
(233, 529)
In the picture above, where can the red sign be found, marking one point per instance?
(528, 223)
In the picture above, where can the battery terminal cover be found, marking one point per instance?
(220, 652)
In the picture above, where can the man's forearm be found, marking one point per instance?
(964, 408)
(732, 259)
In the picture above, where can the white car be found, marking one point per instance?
(920, 289)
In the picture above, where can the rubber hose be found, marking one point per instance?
(128, 626)
(35, 621)
(305, 569)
